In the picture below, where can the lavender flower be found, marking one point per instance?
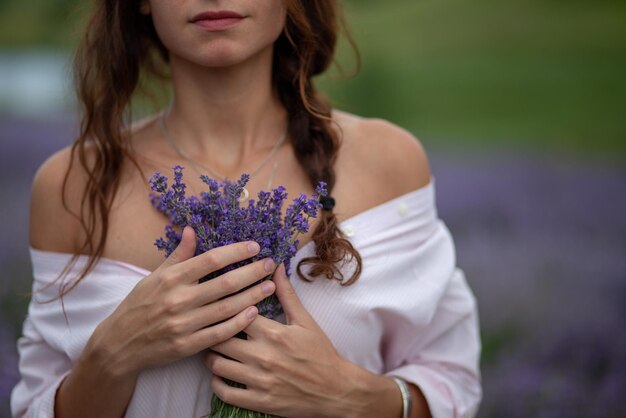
(219, 218)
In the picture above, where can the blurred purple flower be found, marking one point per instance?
(9, 374)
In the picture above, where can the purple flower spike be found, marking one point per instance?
(219, 217)
(158, 183)
(320, 190)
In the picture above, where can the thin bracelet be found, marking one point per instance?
(406, 396)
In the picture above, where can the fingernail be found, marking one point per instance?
(281, 269)
(267, 287)
(254, 247)
(269, 265)
(251, 312)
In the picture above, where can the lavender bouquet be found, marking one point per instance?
(220, 217)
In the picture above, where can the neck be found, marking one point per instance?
(225, 117)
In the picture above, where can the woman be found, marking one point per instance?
(138, 336)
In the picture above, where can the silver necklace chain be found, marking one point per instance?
(198, 167)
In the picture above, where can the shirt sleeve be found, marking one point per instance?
(42, 370)
(443, 361)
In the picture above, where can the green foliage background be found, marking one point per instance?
(538, 74)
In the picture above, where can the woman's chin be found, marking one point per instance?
(223, 56)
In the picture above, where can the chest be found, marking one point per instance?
(134, 224)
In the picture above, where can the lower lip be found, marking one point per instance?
(215, 25)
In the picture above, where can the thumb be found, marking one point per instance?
(185, 250)
(295, 312)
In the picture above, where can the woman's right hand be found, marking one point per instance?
(169, 315)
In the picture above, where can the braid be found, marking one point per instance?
(314, 143)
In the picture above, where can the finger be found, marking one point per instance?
(295, 312)
(197, 267)
(264, 328)
(215, 334)
(228, 307)
(251, 399)
(185, 250)
(233, 282)
(239, 349)
(233, 370)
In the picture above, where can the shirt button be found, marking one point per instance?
(403, 209)
(348, 230)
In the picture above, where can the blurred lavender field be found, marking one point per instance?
(542, 241)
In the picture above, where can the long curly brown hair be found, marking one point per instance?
(121, 46)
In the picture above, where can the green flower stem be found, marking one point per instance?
(220, 409)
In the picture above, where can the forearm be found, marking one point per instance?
(379, 396)
(93, 390)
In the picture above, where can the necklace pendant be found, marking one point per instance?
(244, 195)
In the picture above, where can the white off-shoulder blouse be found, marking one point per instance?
(411, 314)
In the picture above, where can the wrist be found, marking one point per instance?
(407, 400)
(368, 394)
(100, 358)
(93, 388)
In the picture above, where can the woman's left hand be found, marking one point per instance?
(289, 370)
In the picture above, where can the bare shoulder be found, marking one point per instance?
(53, 224)
(54, 221)
(381, 157)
